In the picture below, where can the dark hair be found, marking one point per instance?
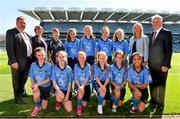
(68, 38)
(136, 53)
(56, 29)
(20, 18)
(38, 27)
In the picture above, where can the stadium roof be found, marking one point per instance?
(101, 15)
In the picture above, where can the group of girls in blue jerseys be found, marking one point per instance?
(81, 66)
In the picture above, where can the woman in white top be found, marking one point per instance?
(139, 42)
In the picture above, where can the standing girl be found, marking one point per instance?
(72, 45)
(105, 44)
(88, 44)
(62, 78)
(120, 44)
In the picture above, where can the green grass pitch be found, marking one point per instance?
(10, 109)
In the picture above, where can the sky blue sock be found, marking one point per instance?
(116, 100)
(79, 102)
(135, 102)
(38, 103)
(100, 99)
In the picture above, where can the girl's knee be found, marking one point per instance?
(141, 107)
(69, 109)
(117, 95)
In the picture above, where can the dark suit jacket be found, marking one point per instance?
(160, 51)
(38, 43)
(16, 48)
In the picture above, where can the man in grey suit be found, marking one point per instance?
(160, 52)
(19, 51)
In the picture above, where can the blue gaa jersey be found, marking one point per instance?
(89, 46)
(62, 77)
(123, 46)
(117, 75)
(102, 75)
(81, 74)
(39, 74)
(72, 48)
(142, 77)
(105, 46)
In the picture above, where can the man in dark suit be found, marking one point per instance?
(19, 51)
(160, 52)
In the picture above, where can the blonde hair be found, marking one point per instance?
(91, 29)
(118, 52)
(105, 28)
(102, 53)
(82, 53)
(62, 53)
(141, 32)
(115, 33)
(68, 37)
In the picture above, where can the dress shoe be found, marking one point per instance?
(20, 101)
(159, 108)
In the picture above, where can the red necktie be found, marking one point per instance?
(154, 37)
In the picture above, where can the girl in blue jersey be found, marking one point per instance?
(101, 76)
(138, 78)
(81, 76)
(118, 80)
(62, 78)
(120, 44)
(88, 44)
(40, 72)
(105, 44)
(72, 45)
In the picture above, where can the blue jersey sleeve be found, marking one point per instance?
(110, 72)
(53, 74)
(81, 44)
(70, 75)
(31, 74)
(126, 47)
(96, 73)
(88, 73)
(147, 77)
(129, 75)
(49, 71)
(75, 72)
(65, 46)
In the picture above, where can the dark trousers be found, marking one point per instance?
(72, 62)
(158, 87)
(19, 78)
(90, 60)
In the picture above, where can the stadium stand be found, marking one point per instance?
(75, 17)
